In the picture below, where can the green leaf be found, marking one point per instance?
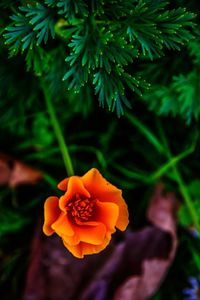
(71, 8)
(181, 97)
(29, 28)
(42, 20)
(184, 216)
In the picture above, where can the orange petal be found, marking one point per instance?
(63, 184)
(51, 214)
(75, 250)
(62, 226)
(91, 234)
(107, 213)
(75, 186)
(93, 180)
(104, 191)
(101, 247)
(84, 248)
(71, 240)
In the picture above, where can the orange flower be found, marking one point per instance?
(86, 215)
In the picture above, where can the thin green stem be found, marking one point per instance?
(182, 187)
(141, 176)
(163, 147)
(58, 132)
(186, 197)
(129, 173)
(50, 180)
(146, 132)
(169, 164)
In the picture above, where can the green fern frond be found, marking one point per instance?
(50, 2)
(71, 9)
(41, 18)
(98, 53)
(154, 28)
(30, 27)
(181, 97)
(38, 60)
(194, 49)
(20, 36)
(101, 43)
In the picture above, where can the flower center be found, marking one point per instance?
(81, 209)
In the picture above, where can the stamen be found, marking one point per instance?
(81, 209)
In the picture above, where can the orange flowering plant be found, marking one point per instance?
(87, 214)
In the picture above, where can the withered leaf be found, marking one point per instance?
(133, 268)
(14, 173)
(54, 273)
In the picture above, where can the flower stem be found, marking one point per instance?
(163, 148)
(186, 197)
(182, 187)
(57, 130)
(146, 132)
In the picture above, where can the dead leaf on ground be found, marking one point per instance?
(157, 245)
(131, 269)
(14, 173)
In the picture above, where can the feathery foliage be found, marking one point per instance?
(31, 25)
(179, 94)
(101, 42)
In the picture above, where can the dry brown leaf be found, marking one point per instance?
(14, 172)
(54, 274)
(161, 213)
